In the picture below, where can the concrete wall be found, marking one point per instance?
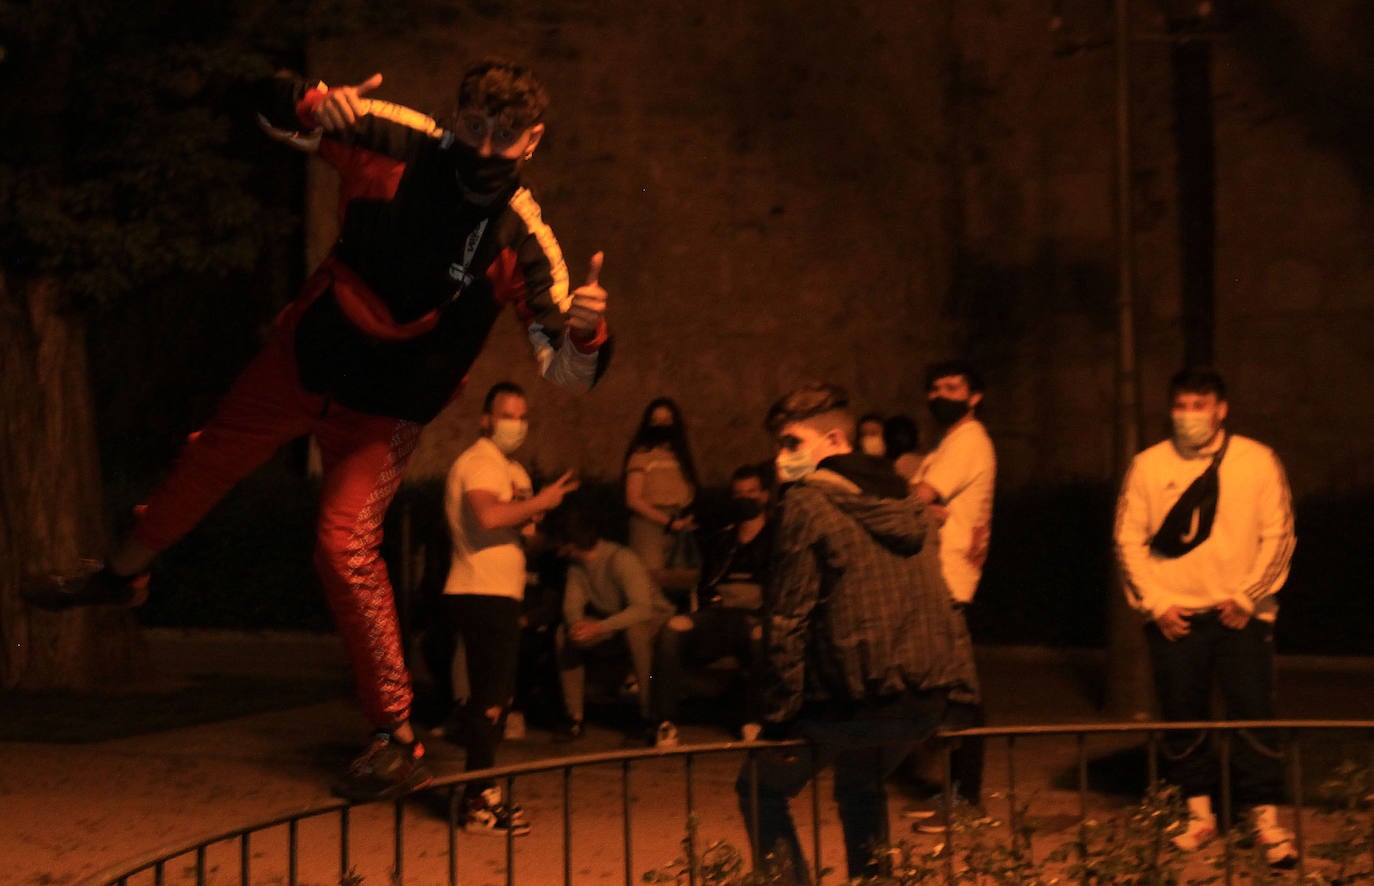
(792, 189)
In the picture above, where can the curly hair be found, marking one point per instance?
(505, 90)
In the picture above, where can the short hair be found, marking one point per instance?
(573, 524)
(762, 471)
(900, 435)
(501, 387)
(824, 406)
(947, 368)
(1197, 380)
(867, 417)
(505, 90)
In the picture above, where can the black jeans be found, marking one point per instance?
(864, 750)
(490, 628)
(1242, 663)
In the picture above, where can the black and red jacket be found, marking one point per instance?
(385, 324)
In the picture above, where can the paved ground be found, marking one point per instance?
(243, 727)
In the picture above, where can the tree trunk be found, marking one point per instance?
(51, 500)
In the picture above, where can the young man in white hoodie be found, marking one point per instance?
(1204, 535)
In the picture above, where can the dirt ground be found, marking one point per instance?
(242, 728)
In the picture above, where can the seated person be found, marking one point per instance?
(728, 621)
(610, 604)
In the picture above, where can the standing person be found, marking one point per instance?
(870, 435)
(660, 485)
(736, 559)
(610, 605)
(956, 482)
(861, 645)
(437, 236)
(490, 505)
(1204, 535)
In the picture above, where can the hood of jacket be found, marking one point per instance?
(868, 490)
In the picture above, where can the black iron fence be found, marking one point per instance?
(277, 850)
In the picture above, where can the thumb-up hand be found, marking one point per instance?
(588, 303)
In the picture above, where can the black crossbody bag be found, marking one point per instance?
(1189, 522)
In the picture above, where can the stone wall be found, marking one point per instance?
(792, 189)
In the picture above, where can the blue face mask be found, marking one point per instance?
(793, 465)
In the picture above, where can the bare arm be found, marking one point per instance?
(492, 513)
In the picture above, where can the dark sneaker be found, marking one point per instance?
(92, 585)
(386, 770)
(568, 730)
(486, 814)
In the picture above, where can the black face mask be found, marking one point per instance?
(745, 508)
(484, 177)
(947, 411)
(658, 435)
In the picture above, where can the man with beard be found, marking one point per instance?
(955, 481)
(1204, 535)
(437, 236)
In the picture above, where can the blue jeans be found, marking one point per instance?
(864, 749)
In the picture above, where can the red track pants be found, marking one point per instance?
(363, 458)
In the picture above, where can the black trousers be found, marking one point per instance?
(489, 627)
(1242, 665)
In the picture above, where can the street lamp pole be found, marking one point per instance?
(1128, 686)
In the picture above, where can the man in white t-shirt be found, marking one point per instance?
(490, 506)
(955, 482)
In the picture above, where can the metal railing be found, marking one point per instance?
(190, 861)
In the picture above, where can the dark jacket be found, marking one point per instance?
(857, 613)
(394, 317)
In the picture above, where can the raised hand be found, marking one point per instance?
(551, 496)
(343, 105)
(588, 302)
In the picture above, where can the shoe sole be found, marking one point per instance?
(391, 792)
(478, 831)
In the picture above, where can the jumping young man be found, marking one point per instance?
(437, 237)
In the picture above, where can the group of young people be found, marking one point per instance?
(437, 236)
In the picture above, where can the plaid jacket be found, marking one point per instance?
(858, 610)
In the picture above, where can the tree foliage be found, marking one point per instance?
(123, 162)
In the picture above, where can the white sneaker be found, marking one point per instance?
(1280, 850)
(515, 726)
(486, 814)
(1198, 833)
(666, 736)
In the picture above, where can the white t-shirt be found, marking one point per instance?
(485, 561)
(962, 470)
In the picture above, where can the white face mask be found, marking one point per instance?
(872, 444)
(1193, 429)
(793, 464)
(509, 433)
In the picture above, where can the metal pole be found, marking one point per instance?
(1128, 677)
